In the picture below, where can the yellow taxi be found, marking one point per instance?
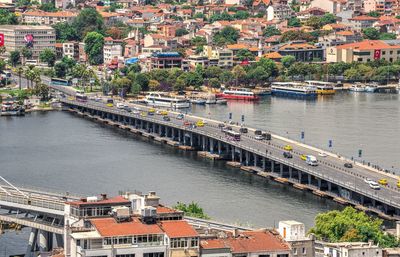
(383, 182)
(164, 113)
(71, 98)
(303, 157)
(398, 184)
(143, 114)
(110, 105)
(152, 110)
(200, 123)
(288, 148)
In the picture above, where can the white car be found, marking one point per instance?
(322, 154)
(259, 137)
(368, 180)
(374, 185)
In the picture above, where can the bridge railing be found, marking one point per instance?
(37, 202)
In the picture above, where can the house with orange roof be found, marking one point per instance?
(47, 18)
(383, 7)
(364, 51)
(339, 38)
(330, 6)
(160, 40)
(335, 27)
(362, 22)
(313, 11)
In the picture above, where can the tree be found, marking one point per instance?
(268, 65)
(194, 79)
(370, 33)
(226, 77)
(328, 18)
(48, 7)
(297, 35)
(192, 210)
(199, 16)
(227, 35)
(238, 73)
(351, 225)
(244, 54)
(122, 85)
(88, 20)
(374, 14)
(271, 31)
(15, 58)
(26, 52)
(60, 69)
(8, 18)
(387, 36)
(212, 72)
(66, 32)
(287, 61)
(180, 32)
(94, 43)
(42, 90)
(198, 41)
(294, 22)
(48, 56)
(136, 89)
(214, 83)
(154, 85)
(314, 22)
(241, 15)
(143, 81)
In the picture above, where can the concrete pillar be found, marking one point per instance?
(241, 156)
(32, 242)
(247, 158)
(179, 135)
(309, 179)
(191, 139)
(255, 156)
(184, 139)
(160, 129)
(361, 199)
(43, 241)
(281, 169)
(154, 128)
(203, 143)
(329, 186)
(59, 240)
(173, 133)
(300, 176)
(211, 145)
(219, 147)
(272, 165)
(233, 152)
(290, 172)
(263, 163)
(319, 183)
(49, 241)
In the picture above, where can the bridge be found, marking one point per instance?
(265, 158)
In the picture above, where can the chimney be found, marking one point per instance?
(103, 196)
(235, 232)
(83, 199)
(398, 230)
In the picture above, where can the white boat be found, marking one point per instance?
(357, 87)
(293, 89)
(371, 88)
(198, 101)
(211, 99)
(161, 99)
(222, 101)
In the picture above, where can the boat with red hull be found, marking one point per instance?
(238, 94)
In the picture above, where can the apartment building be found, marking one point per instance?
(362, 22)
(367, 50)
(36, 38)
(165, 60)
(71, 50)
(219, 56)
(294, 233)
(47, 18)
(352, 249)
(302, 51)
(383, 7)
(112, 50)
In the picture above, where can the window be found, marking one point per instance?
(126, 255)
(263, 255)
(295, 251)
(383, 52)
(304, 251)
(159, 254)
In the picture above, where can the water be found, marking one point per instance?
(63, 152)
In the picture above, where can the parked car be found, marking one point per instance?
(383, 181)
(368, 180)
(322, 154)
(374, 185)
(259, 137)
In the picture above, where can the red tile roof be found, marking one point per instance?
(163, 209)
(108, 227)
(364, 18)
(369, 45)
(178, 228)
(249, 242)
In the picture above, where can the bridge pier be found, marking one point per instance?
(43, 241)
(247, 158)
(219, 147)
(290, 172)
(211, 145)
(241, 156)
(281, 169)
(272, 165)
(233, 152)
(32, 242)
(263, 164)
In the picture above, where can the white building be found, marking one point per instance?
(112, 50)
(352, 249)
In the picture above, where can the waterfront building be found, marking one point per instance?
(219, 56)
(112, 50)
(36, 38)
(47, 18)
(165, 60)
(365, 51)
(302, 51)
(352, 249)
(294, 233)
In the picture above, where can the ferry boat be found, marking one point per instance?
(238, 94)
(371, 87)
(322, 87)
(161, 99)
(293, 89)
(10, 108)
(357, 87)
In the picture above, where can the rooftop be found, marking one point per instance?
(178, 228)
(108, 227)
(111, 201)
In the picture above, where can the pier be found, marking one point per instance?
(330, 179)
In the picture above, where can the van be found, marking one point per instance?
(311, 160)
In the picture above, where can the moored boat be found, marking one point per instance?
(292, 89)
(11, 108)
(371, 87)
(222, 101)
(357, 87)
(198, 101)
(238, 94)
(322, 87)
(162, 99)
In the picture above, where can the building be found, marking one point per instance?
(352, 249)
(365, 51)
(71, 50)
(219, 56)
(362, 22)
(64, 4)
(160, 40)
(261, 243)
(47, 18)
(330, 6)
(165, 60)
(112, 50)
(294, 233)
(383, 7)
(36, 38)
(302, 51)
(279, 12)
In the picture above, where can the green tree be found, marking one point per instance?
(199, 16)
(48, 56)
(374, 14)
(48, 7)
(94, 43)
(370, 33)
(328, 18)
(88, 20)
(192, 210)
(214, 83)
(297, 35)
(194, 79)
(181, 32)
(212, 72)
(136, 89)
(387, 36)
(42, 90)
(15, 58)
(241, 15)
(60, 69)
(66, 32)
(226, 77)
(198, 41)
(288, 61)
(314, 22)
(8, 18)
(294, 22)
(271, 31)
(351, 225)
(245, 54)
(26, 52)
(143, 81)
(239, 74)
(227, 35)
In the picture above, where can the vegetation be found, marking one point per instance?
(227, 35)
(48, 56)
(192, 210)
(351, 225)
(94, 43)
(8, 18)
